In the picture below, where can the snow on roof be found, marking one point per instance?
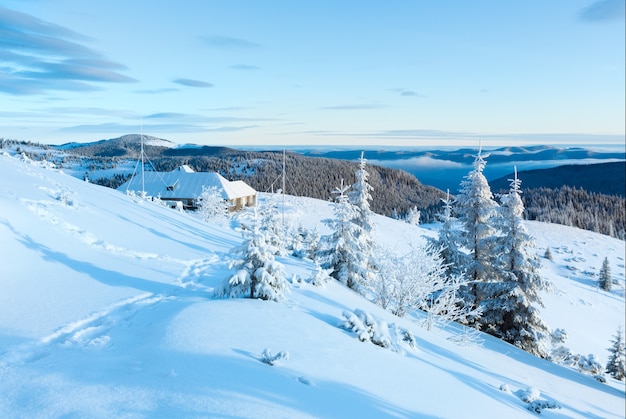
(184, 168)
(183, 183)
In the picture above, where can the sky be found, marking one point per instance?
(406, 73)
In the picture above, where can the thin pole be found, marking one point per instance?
(143, 184)
(284, 157)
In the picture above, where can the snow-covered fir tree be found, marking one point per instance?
(413, 216)
(448, 240)
(212, 207)
(476, 211)
(258, 274)
(360, 197)
(605, 279)
(509, 300)
(273, 225)
(343, 250)
(617, 360)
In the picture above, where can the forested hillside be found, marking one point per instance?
(601, 178)
(591, 197)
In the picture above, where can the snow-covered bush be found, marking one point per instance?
(538, 405)
(211, 205)
(419, 280)
(548, 254)
(367, 328)
(320, 277)
(268, 358)
(589, 365)
(64, 197)
(559, 353)
(530, 394)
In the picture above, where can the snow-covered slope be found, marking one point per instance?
(106, 311)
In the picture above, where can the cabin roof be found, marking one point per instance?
(183, 182)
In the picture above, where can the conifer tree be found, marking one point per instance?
(271, 224)
(448, 240)
(509, 310)
(605, 280)
(342, 250)
(258, 274)
(617, 360)
(360, 197)
(476, 210)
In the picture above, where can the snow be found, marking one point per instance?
(106, 310)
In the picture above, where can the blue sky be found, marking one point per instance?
(398, 72)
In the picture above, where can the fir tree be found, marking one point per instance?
(360, 197)
(342, 250)
(449, 238)
(605, 280)
(476, 210)
(509, 309)
(272, 225)
(617, 360)
(258, 274)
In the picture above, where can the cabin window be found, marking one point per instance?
(172, 187)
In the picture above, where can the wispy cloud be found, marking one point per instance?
(201, 119)
(407, 92)
(244, 67)
(121, 129)
(156, 91)
(38, 56)
(603, 10)
(192, 83)
(354, 106)
(227, 42)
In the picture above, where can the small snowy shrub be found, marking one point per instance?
(212, 207)
(538, 405)
(268, 358)
(548, 254)
(367, 328)
(560, 354)
(589, 365)
(320, 277)
(530, 395)
(64, 198)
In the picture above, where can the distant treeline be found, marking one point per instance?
(577, 207)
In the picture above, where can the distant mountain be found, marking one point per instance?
(126, 146)
(602, 178)
(445, 168)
